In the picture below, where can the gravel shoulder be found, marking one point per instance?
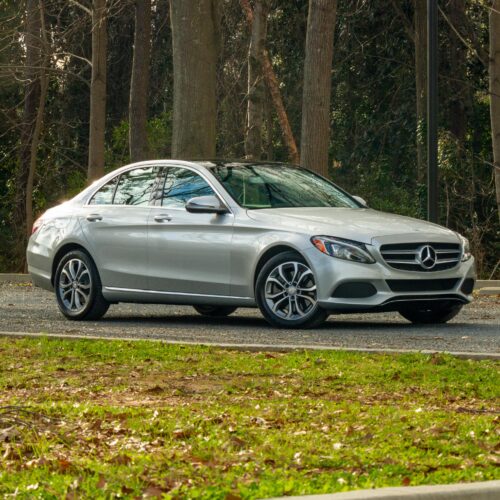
(24, 308)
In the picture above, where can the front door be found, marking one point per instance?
(189, 253)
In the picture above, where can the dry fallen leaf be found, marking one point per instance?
(102, 482)
(9, 434)
(152, 492)
(182, 433)
(121, 459)
(237, 442)
(64, 464)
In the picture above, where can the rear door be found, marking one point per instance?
(115, 224)
(189, 253)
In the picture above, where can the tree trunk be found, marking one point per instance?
(97, 91)
(37, 129)
(256, 84)
(34, 102)
(459, 89)
(315, 136)
(274, 91)
(420, 41)
(195, 50)
(494, 73)
(139, 84)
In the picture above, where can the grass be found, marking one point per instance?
(109, 419)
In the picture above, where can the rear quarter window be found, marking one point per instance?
(104, 196)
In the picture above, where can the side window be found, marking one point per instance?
(105, 195)
(181, 185)
(135, 187)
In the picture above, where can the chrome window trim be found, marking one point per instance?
(161, 166)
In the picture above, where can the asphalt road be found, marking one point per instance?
(24, 308)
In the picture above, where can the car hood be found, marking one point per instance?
(358, 224)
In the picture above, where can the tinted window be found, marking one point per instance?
(105, 195)
(181, 185)
(280, 186)
(135, 187)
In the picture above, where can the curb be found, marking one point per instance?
(488, 290)
(257, 347)
(489, 490)
(487, 283)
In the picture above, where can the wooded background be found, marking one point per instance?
(338, 86)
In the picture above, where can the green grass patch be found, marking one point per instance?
(109, 419)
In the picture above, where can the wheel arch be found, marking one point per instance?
(61, 252)
(269, 253)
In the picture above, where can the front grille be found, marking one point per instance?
(415, 256)
(422, 285)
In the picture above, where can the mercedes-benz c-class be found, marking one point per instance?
(218, 235)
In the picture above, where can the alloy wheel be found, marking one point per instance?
(290, 291)
(75, 284)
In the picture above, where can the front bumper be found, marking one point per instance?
(383, 288)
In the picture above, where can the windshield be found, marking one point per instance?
(279, 186)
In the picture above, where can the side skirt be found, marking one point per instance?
(113, 294)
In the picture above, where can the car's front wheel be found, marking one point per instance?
(286, 293)
(438, 313)
(78, 288)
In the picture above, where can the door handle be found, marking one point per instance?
(94, 217)
(163, 218)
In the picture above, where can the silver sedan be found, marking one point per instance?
(219, 235)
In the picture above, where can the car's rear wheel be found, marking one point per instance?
(78, 288)
(214, 311)
(437, 313)
(286, 293)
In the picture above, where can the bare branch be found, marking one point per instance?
(478, 50)
(408, 25)
(81, 6)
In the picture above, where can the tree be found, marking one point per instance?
(417, 33)
(459, 105)
(33, 112)
(315, 135)
(494, 76)
(97, 123)
(256, 84)
(139, 84)
(274, 90)
(195, 47)
(420, 41)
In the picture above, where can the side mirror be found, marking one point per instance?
(206, 205)
(361, 200)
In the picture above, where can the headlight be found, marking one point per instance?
(466, 255)
(343, 249)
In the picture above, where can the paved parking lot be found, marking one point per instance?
(24, 308)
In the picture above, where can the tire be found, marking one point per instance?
(78, 288)
(278, 294)
(214, 311)
(424, 315)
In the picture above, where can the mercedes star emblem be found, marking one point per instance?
(427, 257)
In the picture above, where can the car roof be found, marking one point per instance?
(165, 162)
(217, 162)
